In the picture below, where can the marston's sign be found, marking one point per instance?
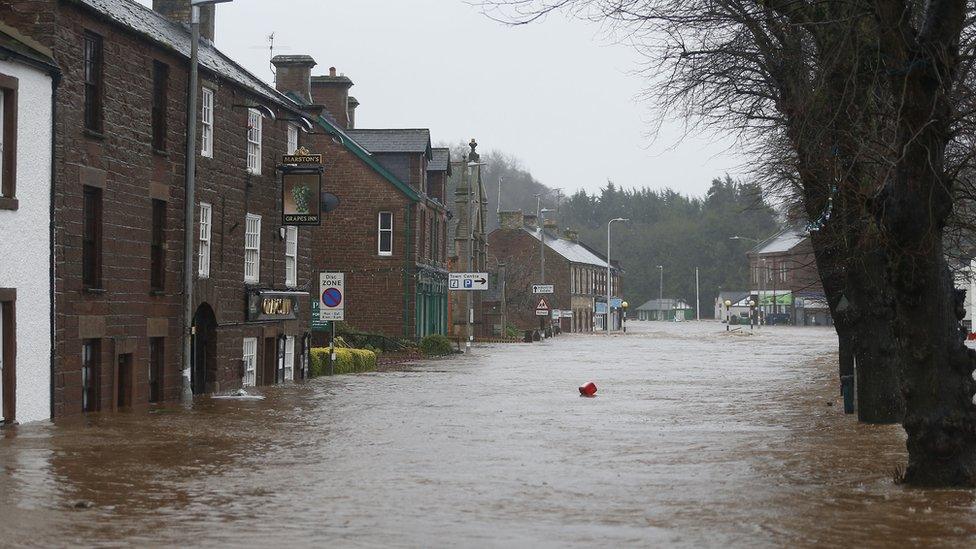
(301, 188)
(267, 305)
(302, 157)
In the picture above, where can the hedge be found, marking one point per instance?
(348, 361)
(436, 345)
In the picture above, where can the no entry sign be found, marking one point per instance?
(332, 299)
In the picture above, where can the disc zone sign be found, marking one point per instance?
(332, 292)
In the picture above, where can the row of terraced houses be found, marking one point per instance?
(92, 156)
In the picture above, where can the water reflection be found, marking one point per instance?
(696, 438)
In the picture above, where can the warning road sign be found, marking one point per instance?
(542, 308)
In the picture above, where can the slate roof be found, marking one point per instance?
(26, 49)
(781, 242)
(176, 37)
(393, 141)
(440, 161)
(573, 251)
(664, 305)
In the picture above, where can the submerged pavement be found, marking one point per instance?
(696, 438)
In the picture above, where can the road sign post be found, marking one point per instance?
(332, 306)
(543, 289)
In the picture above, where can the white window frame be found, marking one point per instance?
(3, 99)
(249, 355)
(206, 234)
(291, 257)
(206, 122)
(292, 138)
(254, 141)
(289, 358)
(252, 248)
(379, 233)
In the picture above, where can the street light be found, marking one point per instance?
(190, 192)
(623, 322)
(609, 275)
(728, 317)
(661, 295)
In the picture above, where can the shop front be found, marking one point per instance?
(276, 342)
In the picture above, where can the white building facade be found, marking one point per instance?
(27, 80)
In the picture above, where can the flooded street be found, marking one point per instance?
(696, 438)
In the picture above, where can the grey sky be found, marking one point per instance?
(554, 94)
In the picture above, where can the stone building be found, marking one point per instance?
(120, 156)
(470, 250)
(577, 272)
(28, 80)
(388, 234)
(783, 271)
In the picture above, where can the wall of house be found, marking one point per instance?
(520, 252)
(126, 313)
(25, 244)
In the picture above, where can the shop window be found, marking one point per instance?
(250, 361)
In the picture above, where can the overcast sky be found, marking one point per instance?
(556, 94)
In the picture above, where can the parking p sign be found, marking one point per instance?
(332, 296)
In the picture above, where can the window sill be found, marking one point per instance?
(157, 293)
(95, 291)
(93, 134)
(11, 204)
(160, 152)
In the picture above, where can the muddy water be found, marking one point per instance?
(697, 438)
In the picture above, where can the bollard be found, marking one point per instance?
(588, 389)
(847, 389)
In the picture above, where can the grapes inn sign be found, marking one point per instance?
(301, 188)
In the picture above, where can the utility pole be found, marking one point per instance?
(697, 297)
(498, 204)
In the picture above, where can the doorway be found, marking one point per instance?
(124, 385)
(270, 364)
(8, 365)
(203, 370)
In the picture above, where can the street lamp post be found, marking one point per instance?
(728, 315)
(660, 296)
(190, 193)
(609, 274)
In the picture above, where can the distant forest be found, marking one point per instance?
(666, 228)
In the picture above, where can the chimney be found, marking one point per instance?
(293, 73)
(531, 221)
(178, 11)
(351, 109)
(571, 235)
(333, 92)
(510, 220)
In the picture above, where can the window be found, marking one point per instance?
(93, 82)
(250, 361)
(782, 272)
(385, 236)
(252, 248)
(156, 350)
(8, 138)
(292, 138)
(160, 86)
(91, 247)
(90, 374)
(206, 214)
(289, 358)
(206, 122)
(291, 257)
(254, 141)
(157, 273)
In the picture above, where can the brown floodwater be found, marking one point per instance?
(696, 438)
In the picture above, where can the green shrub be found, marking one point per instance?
(348, 361)
(436, 345)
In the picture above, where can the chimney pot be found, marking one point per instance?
(332, 71)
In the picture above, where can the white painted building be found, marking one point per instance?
(27, 79)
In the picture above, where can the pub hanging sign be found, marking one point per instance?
(267, 305)
(301, 188)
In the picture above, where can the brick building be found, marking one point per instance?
(388, 234)
(28, 78)
(578, 273)
(119, 168)
(783, 271)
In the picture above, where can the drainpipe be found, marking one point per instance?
(55, 82)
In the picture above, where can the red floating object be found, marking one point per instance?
(588, 390)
